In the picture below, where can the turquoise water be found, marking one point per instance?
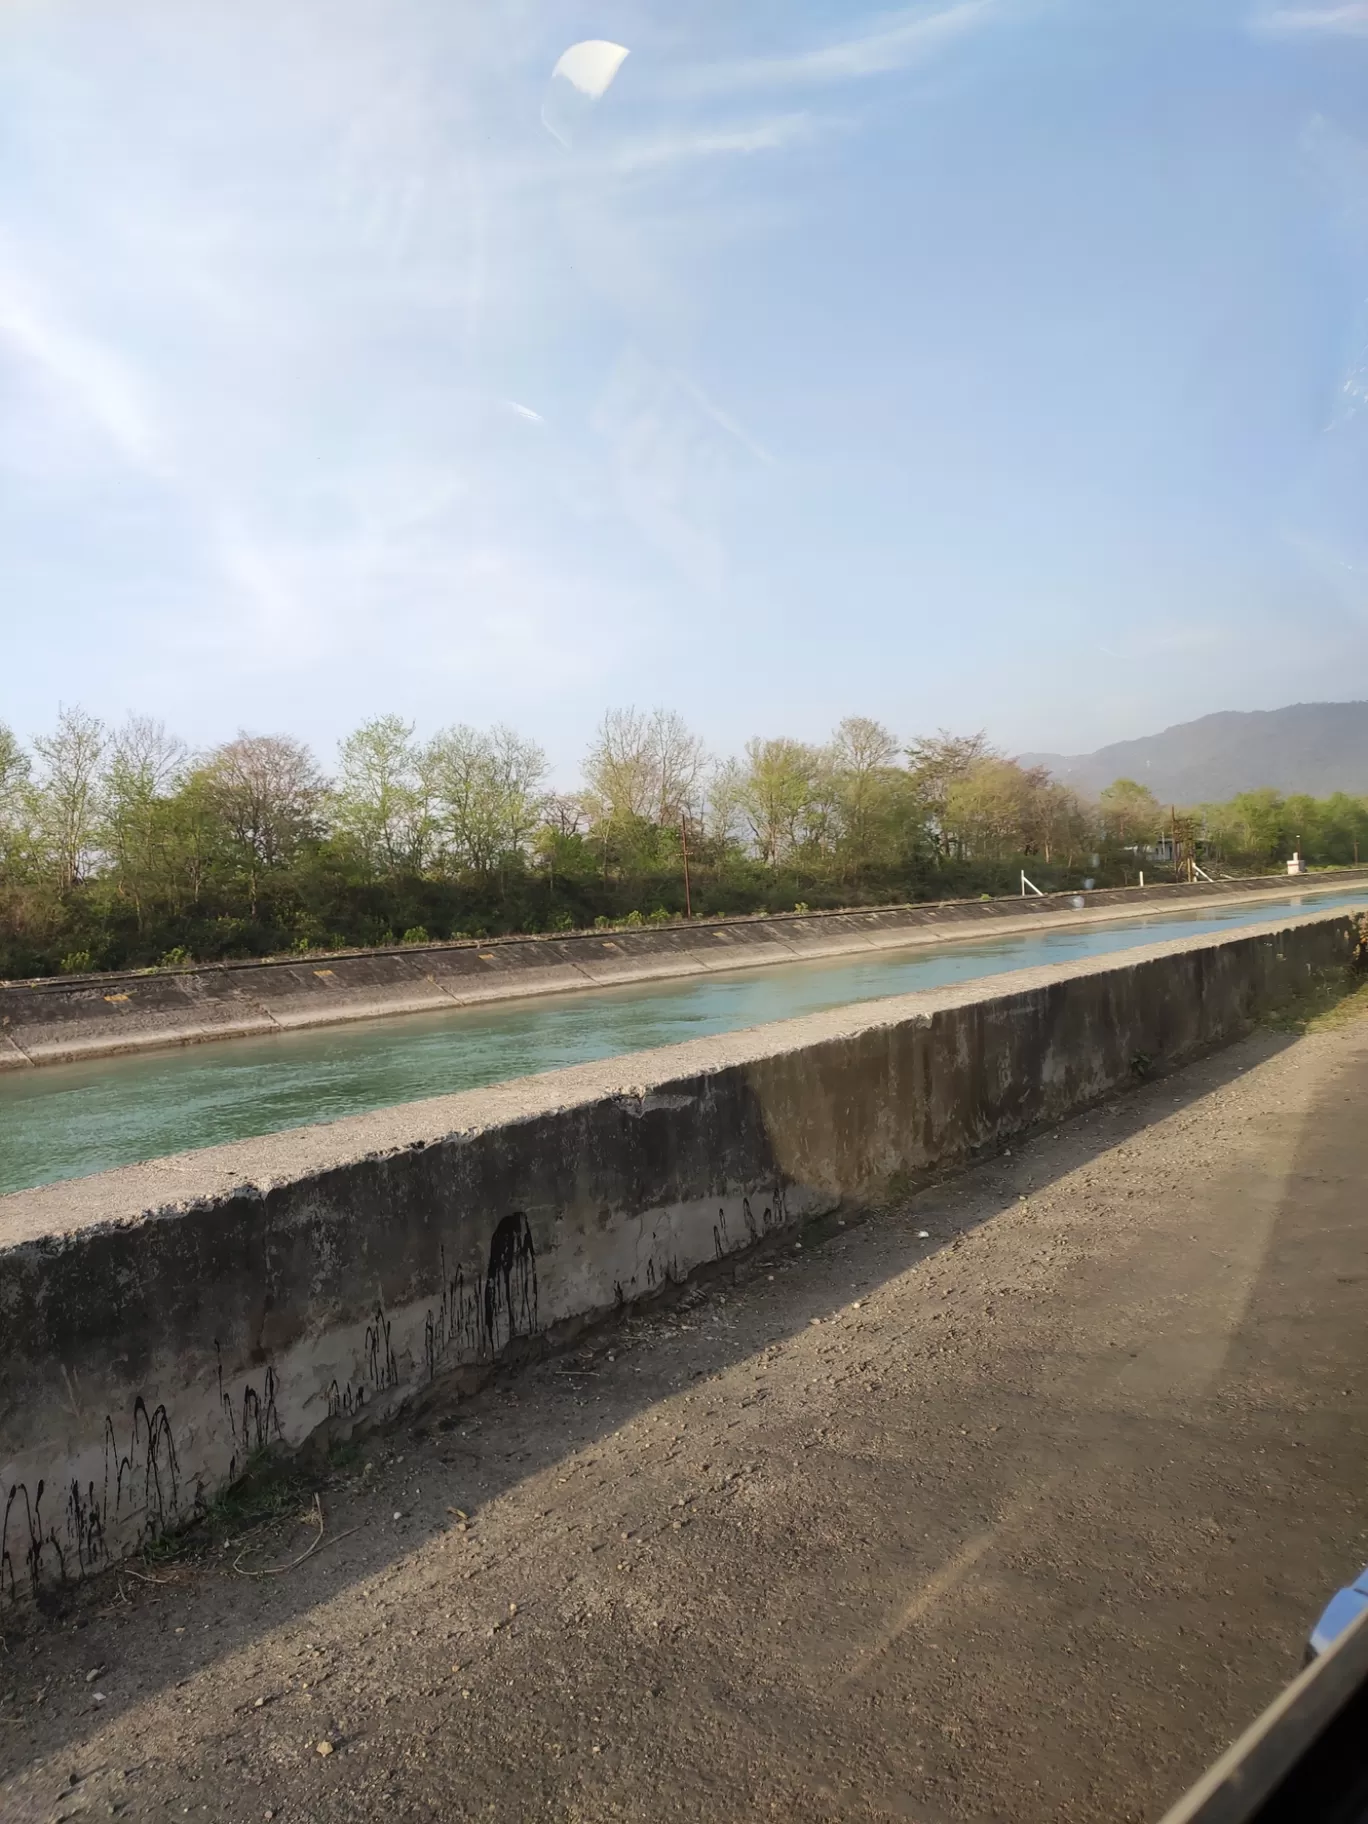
(65, 1120)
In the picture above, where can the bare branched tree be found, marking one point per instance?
(69, 792)
(268, 796)
(145, 766)
(486, 789)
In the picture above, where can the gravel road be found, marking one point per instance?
(1014, 1501)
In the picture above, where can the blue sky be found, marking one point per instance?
(983, 363)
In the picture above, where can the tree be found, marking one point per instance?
(778, 791)
(1343, 829)
(1063, 823)
(1303, 825)
(563, 813)
(16, 801)
(146, 766)
(1132, 816)
(383, 798)
(937, 763)
(1258, 822)
(619, 773)
(486, 794)
(723, 813)
(990, 810)
(15, 767)
(521, 769)
(871, 793)
(68, 792)
(646, 768)
(196, 846)
(267, 794)
(679, 760)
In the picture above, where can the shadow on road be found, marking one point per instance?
(151, 1627)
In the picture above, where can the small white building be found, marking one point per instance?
(1296, 865)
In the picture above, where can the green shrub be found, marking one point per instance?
(77, 962)
(416, 934)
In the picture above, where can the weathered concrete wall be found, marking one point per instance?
(68, 1017)
(162, 1322)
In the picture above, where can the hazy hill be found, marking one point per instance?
(1307, 747)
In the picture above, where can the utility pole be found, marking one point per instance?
(684, 850)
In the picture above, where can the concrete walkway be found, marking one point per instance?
(1021, 1518)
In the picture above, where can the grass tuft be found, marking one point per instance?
(1328, 1003)
(272, 1487)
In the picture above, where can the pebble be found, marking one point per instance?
(325, 1747)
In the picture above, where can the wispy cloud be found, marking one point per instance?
(301, 308)
(675, 456)
(631, 156)
(895, 42)
(1348, 20)
(85, 375)
(456, 609)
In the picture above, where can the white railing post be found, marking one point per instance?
(1029, 885)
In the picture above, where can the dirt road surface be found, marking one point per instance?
(1014, 1502)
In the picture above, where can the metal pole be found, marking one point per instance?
(684, 849)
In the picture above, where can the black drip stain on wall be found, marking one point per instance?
(143, 1480)
(480, 1314)
(382, 1370)
(477, 1316)
(510, 1286)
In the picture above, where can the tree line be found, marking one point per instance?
(123, 847)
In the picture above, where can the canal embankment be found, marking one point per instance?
(66, 1018)
(165, 1322)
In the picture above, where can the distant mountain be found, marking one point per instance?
(1308, 747)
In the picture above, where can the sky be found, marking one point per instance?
(977, 364)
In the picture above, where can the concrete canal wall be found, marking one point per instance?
(60, 1019)
(163, 1322)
